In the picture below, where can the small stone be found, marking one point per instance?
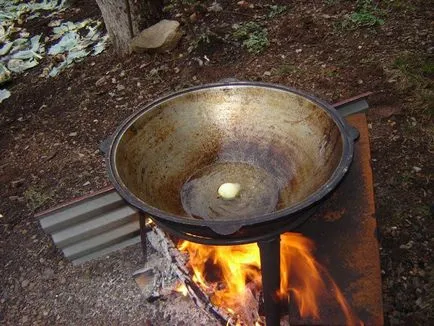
(193, 17)
(73, 134)
(48, 273)
(267, 73)
(101, 81)
(298, 50)
(87, 183)
(243, 4)
(408, 245)
(326, 16)
(120, 87)
(62, 280)
(417, 169)
(25, 283)
(360, 82)
(122, 74)
(215, 7)
(17, 183)
(199, 61)
(161, 37)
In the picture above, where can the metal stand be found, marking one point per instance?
(143, 230)
(270, 269)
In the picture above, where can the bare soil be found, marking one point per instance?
(50, 131)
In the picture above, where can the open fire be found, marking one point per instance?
(231, 276)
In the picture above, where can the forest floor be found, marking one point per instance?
(51, 129)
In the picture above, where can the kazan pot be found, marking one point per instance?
(284, 150)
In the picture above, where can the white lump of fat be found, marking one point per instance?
(229, 190)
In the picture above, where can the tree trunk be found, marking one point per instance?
(126, 18)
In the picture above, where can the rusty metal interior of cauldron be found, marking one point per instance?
(284, 148)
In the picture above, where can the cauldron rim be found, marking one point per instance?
(226, 227)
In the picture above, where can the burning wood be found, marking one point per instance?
(178, 265)
(225, 281)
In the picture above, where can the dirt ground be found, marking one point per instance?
(50, 131)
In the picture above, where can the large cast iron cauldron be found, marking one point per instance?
(286, 149)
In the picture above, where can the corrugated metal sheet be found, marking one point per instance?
(92, 226)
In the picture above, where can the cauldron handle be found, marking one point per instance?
(355, 105)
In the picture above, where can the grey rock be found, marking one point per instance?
(215, 7)
(47, 274)
(161, 37)
(101, 81)
(73, 134)
(25, 283)
(17, 183)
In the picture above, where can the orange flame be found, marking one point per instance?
(181, 288)
(236, 274)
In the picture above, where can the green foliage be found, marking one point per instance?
(428, 68)
(276, 10)
(413, 72)
(204, 38)
(413, 64)
(330, 2)
(367, 14)
(253, 36)
(402, 5)
(35, 198)
(286, 69)
(364, 19)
